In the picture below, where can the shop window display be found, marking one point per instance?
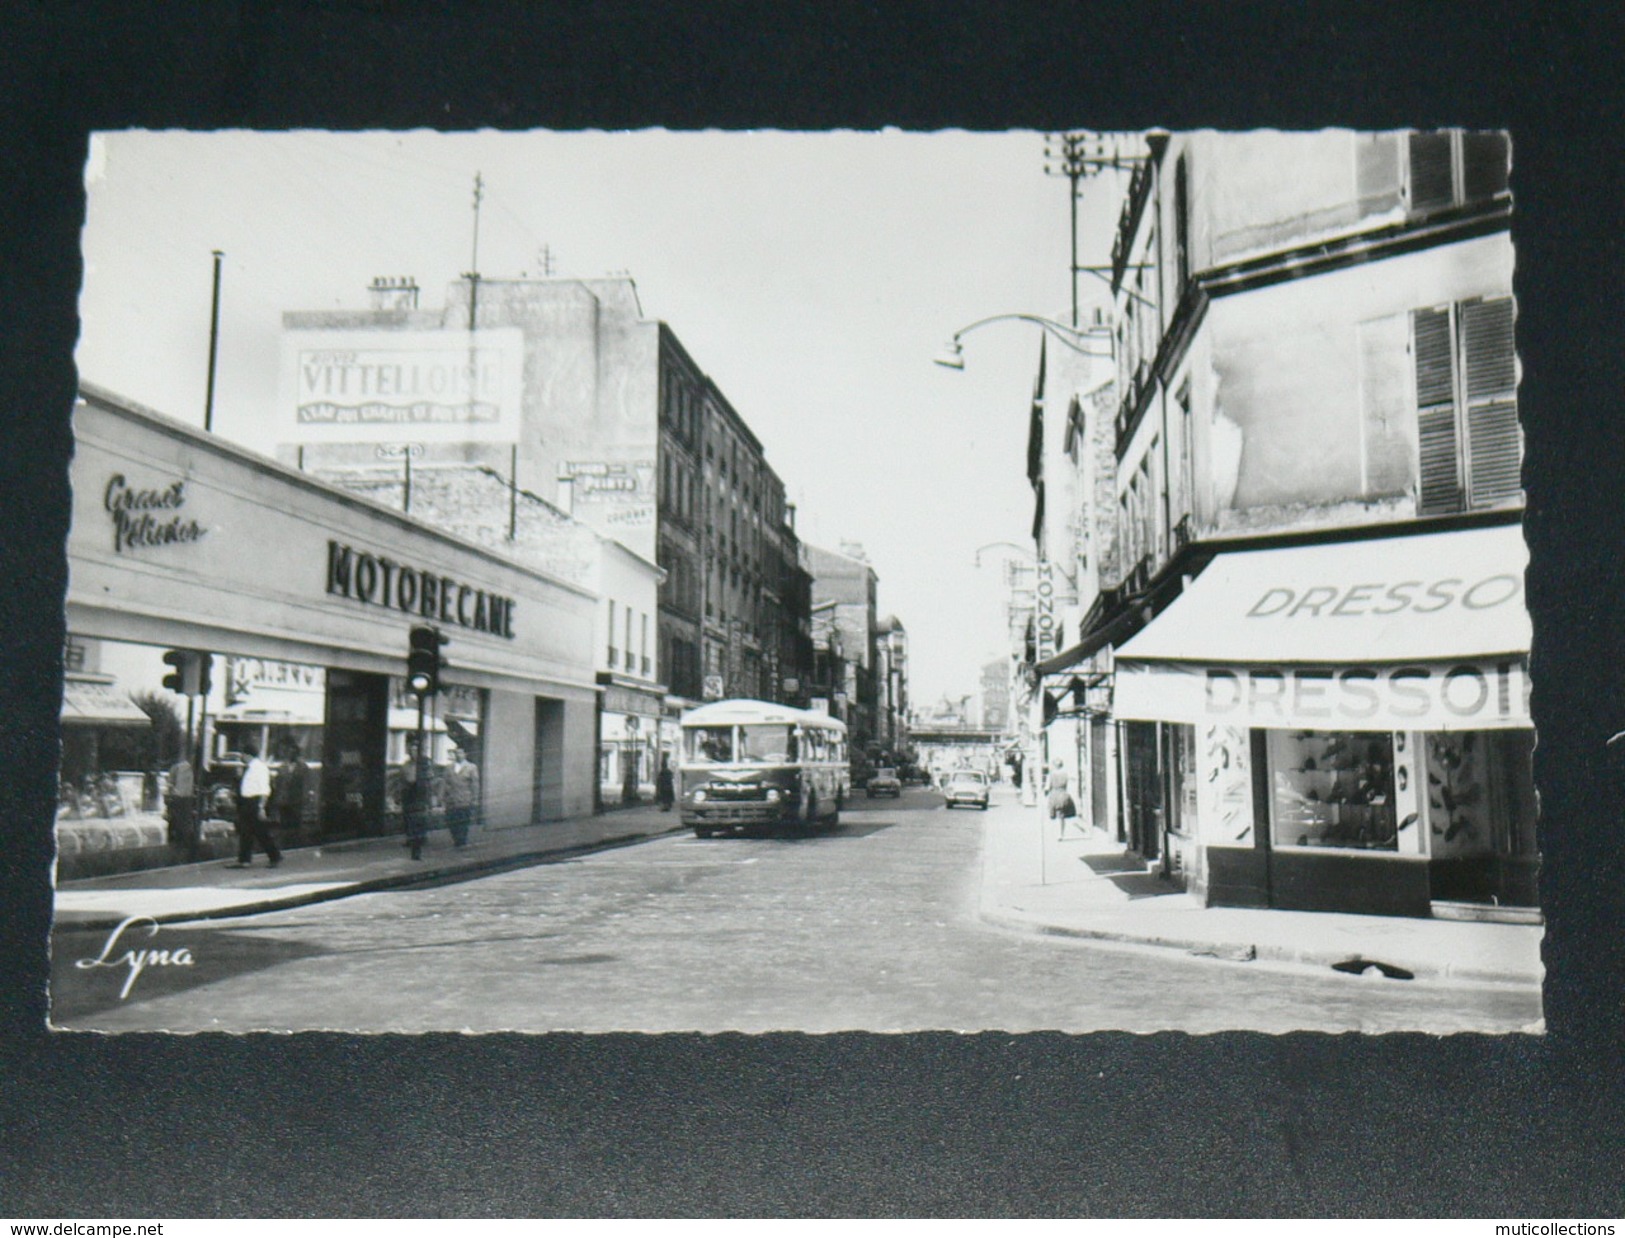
(1333, 789)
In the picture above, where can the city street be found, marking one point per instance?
(873, 926)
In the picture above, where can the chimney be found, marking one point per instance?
(393, 292)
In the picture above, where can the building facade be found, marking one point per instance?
(303, 595)
(569, 391)
(891, 652)
(1315, 632)
(476, 502)
(844, 582)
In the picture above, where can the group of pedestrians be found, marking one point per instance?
(268, 798)
(262, 798)
(460, 794)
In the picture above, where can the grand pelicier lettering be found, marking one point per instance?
(377, 580)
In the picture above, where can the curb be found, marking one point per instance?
(1241, 953)
(394, 881)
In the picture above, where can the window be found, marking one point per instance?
(1469, 444)
(1332, 789)
(611, 630)
(1449, 167)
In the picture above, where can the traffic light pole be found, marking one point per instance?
(200, 785)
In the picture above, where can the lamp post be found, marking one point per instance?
(1078, 340)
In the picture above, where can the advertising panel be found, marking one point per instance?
(380, 386)
(1469, 695)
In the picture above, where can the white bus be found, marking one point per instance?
(753, 763)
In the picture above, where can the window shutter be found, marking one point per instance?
(1487, 333)
(1431, 181)
(1494, 443)
(1484, 165)
(1439, 472)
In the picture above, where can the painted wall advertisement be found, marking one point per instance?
(402, 386)
(620, 491)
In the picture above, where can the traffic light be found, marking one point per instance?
(183, 661)
(191, 674)
(423, 660)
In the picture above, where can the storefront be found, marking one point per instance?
(631, 740)
(1341, 727)
(303, 596)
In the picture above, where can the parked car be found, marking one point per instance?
(968, 787)
(884, 781)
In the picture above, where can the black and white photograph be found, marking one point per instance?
(767, 581)
(837, 613)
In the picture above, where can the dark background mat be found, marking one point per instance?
(918, 1125)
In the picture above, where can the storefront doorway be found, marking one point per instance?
(1143, 779)
(356, 736)
(1481, 817)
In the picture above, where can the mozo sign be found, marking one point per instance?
(1044, 620)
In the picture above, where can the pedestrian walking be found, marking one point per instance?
(415, 799)
(289, 788)
(1062, 808)
(253, 790)
(462, 790)
(180, 809)
(665, 785)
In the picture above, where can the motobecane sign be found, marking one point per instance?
(1466, 695)
(377, 580)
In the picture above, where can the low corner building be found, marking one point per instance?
(181, 540)
(1342, 726)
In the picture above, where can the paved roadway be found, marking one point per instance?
(871, 927)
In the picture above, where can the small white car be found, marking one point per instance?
(967, 787)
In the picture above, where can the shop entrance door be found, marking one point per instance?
(353, 754)
(1144, 788)
(1481, 812)
(547, 791)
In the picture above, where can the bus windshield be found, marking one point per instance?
(755, 744)
(708, 745)
(767, 744)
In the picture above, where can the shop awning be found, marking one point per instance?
(1428, 632)
(91, 701)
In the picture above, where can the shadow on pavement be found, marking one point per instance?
(162, 963)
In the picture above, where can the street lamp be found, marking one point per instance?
(1026, 550)
(953, 354)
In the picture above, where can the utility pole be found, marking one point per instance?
(1079, 156)
(214, 346)
(474, 256)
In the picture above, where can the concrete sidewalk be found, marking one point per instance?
(1086, 886)
(214, 889)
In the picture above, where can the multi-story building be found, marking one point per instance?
(891, 682)
(567, 390)
(846, 579)
(1070, 468)
(1315, 630)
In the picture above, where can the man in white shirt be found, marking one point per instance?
(252, 792)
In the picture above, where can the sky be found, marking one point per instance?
(813, 276)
